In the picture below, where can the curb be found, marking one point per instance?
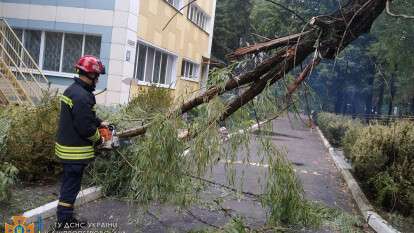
(48, 210)
(374, 220)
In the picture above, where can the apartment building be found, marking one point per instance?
(163, 43)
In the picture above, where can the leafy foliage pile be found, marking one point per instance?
(8, 177)
(335, 126)
(153, 167)
(383, 159)
(30, 137)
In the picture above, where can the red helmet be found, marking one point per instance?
(90, 64)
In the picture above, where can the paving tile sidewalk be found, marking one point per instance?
(321, 181)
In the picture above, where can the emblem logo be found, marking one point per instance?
(19, 226)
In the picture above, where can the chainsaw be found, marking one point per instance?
(109, 139)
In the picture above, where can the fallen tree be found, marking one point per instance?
(154, 168)
(326, 35)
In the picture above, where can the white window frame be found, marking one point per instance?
(195, 65)
(42, 50)
(174, 57)
(199, 17)
(179, 3)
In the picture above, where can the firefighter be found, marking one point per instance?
(77, 136)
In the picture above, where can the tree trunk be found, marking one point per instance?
(380, 98)
(369, 96)
(339, 102)
(354, 104)
(392, 94)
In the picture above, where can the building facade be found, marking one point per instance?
(141, 42)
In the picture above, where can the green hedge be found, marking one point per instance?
(382, 157)
(383, 161)
(334, 126)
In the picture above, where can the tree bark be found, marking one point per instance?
(234, 82)
(256, 88)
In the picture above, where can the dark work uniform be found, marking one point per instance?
(77, 135)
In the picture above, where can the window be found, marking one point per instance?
(32, 40)
(53, 49)
(58, 51)
(92, 45)
(190, 70)
(198, 16)
(154, 66)
(175, 3)
(72, 50)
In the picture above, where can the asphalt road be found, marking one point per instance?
(317, 172)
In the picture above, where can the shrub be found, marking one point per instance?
(350, 139)
(4, 127)
(7, 178)
(7, 171)
(383, 160)
(30, 138)
(150, 101)
(334, 126)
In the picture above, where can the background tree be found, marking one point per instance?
(230, 30)
(372, 76)
(393, 51)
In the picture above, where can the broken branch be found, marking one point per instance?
(264, 46)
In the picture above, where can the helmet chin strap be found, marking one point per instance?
(93, 84)
(91, 77)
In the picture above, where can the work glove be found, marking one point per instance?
(104, 124)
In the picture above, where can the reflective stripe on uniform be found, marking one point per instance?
(94, 138)
(74, 149)
(73, 156)
(66, 100)
(74, 152)
(64, 204)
